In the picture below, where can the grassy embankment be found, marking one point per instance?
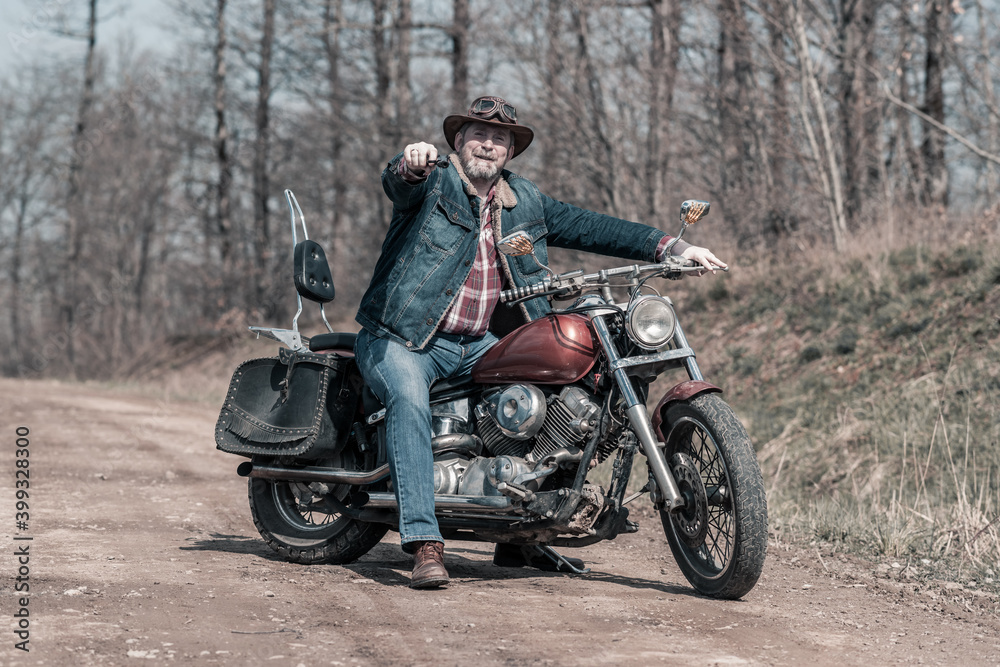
(870, 384)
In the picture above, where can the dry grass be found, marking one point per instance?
(868, 380)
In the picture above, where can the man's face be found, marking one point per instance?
(483, 149)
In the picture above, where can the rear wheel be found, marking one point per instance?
(298, 520)
(719, 538)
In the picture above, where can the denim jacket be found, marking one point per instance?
(428, 251)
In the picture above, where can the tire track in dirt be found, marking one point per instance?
(144, 549)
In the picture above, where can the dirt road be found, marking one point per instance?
(142, 549)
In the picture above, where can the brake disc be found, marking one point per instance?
(691, 520)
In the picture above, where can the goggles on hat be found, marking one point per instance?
(488, 108)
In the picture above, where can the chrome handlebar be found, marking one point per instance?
(575, 282)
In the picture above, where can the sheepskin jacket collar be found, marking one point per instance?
(504, 194)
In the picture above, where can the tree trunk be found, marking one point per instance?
(74, 233)
(382, 131)
(909, 167)
(936, 34)
(15, 280)
(223, 219)
(603, 174)
(664, 27)
(261, 180)
(732, 96)
(404, 94)
(989, 178)
(554, 76)
(825, 157)
(461, 24)
(781, 218)
(736, 111)
(333, 19)
(383, 51)
(855, 30)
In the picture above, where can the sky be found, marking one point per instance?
(28, 28)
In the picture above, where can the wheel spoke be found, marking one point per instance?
(302, 507)
(717, 549)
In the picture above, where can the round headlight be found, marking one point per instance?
(650, 322)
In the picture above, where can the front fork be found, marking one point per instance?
(636, 411)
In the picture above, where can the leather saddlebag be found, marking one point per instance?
(301, 405)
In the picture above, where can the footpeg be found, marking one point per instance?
(516, 491)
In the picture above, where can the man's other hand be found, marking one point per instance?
(704, 257)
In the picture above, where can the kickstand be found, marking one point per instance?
(559, 561)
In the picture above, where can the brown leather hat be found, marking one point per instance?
(493, 111)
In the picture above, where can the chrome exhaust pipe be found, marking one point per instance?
(490, 504)
(314, 474)
(454, 503)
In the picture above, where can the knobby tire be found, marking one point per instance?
(728, 563)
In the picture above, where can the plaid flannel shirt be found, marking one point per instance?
(469, 313)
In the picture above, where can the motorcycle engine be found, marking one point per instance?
(519, 421)
(517, 425)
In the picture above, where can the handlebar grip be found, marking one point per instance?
(520, 292)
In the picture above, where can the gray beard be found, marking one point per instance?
(480, 171)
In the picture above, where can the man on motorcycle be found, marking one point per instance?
(426, 313)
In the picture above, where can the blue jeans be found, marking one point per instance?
(401, 378)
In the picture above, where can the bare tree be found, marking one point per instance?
(552, 73)
(74, 233)
(778, 126)
(983, 70)
(460, 27)
(224, 181)
(262, 147)
(333, 19)
(734, 103)
(750, 122)
(903, 155)
(857, 96)
(936, 34)
(383, 55)
(404, 91)
(665, 24)
(26, 171)
(593, 113)
(812, 104)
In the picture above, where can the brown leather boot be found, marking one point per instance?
(428, 566)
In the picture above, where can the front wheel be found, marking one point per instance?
(299, 522)
(719, 538)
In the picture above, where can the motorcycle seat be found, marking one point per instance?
(439, 390)
(333, 341)
(451, 384)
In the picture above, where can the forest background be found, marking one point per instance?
(849, 148)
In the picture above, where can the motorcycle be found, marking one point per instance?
(516, 443)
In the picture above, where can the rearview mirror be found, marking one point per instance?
(519, 244)
(516, 245)
(693, 210)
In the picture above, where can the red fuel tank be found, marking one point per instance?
(557, 349)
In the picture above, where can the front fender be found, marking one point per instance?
(679, 392)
